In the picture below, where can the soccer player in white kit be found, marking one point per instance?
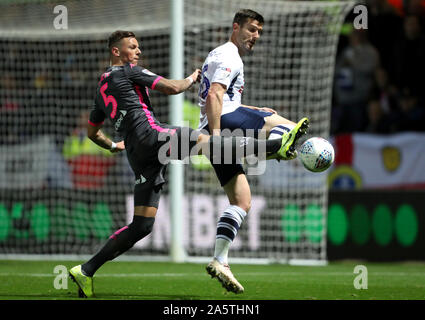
(220, 95)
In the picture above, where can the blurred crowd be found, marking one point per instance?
(379, 82)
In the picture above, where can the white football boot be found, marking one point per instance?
(222, 272)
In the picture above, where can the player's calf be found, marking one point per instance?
(119, 242)
(278, 124)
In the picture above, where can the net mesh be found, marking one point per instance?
(60, 193)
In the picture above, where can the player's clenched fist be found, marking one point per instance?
(196, 75)
(117, 147)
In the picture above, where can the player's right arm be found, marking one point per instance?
(96, 135)
(214, 106)
(218, 74)
(170, 87)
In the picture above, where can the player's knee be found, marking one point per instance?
(203, 138)
(141, 227)
(203, 143)
(276, 120)
(247, 207)
(244, 204)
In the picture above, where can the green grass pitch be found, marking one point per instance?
(168, 281)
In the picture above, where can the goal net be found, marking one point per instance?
(61, 194)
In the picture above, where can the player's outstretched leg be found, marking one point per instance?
(118, 243)
(222, 272)
(287, 150)
(84, 283)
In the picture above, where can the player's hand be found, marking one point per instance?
(196, 75)
(120, 147)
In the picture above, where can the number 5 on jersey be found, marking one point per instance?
(109, 99)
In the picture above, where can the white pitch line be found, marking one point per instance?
(141, 275)
(113, 275)
(9, 274)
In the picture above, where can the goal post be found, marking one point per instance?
(177, 250)
(62, 195)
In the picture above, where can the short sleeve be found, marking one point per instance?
(97, 117)
(224, 71)
(141, 76)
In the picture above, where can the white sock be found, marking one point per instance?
(227, 228)
(278, 131)
(221, 250)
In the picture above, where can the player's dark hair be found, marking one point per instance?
(243, 15)
(116, 37)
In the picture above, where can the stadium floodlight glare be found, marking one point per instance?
(59, 195)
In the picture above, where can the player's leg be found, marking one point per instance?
(147, 191)
(118, 243)
(239, 195)
(123, 239)
(289, 141)
(219, 149)
(257, 120)
(184, 141)
(226, 150)
(236, 187)
(149, 178)
(278, 127)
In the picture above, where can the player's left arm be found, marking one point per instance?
(265, 109)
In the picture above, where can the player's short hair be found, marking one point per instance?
(116, 37)
(243, 15)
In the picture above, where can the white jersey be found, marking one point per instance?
(225, 66)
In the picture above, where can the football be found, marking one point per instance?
(316, 154)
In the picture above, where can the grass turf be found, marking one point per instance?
(167, 281)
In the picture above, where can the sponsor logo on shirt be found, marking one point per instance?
(141, 180)
(121, 117)
(148, 72)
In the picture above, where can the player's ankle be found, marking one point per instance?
(221, 259)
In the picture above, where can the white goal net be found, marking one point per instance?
(61, 194)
